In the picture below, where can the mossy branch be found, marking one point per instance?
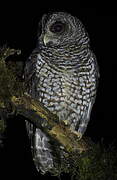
(34, 110)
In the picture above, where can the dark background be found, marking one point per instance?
(18, 25)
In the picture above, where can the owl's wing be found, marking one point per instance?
(97, 71)
(29, 72)
(89, 88)
(40, 142)
(40, 148)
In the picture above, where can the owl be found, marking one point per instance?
(62, 73)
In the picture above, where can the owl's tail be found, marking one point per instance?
(41, 149)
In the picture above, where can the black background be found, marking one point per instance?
(18, 25)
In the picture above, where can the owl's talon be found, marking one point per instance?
(66, 122)
(78, 134)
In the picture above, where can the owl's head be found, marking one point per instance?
(60, 29)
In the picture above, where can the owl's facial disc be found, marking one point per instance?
(54, 33)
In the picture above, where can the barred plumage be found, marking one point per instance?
(62, 73)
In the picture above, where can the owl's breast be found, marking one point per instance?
(57, 90)
(66, 93)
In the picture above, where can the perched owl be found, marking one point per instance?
(62, 73)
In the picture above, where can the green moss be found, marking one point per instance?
(2, 126)
(99, 163)
(8, 82)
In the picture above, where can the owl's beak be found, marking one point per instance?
(49, 40)
(46, 39)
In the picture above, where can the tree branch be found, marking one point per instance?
(41, 117)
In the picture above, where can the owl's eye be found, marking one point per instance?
(57, 27)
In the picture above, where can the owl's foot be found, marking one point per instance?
(78, 134)
(66, 122)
